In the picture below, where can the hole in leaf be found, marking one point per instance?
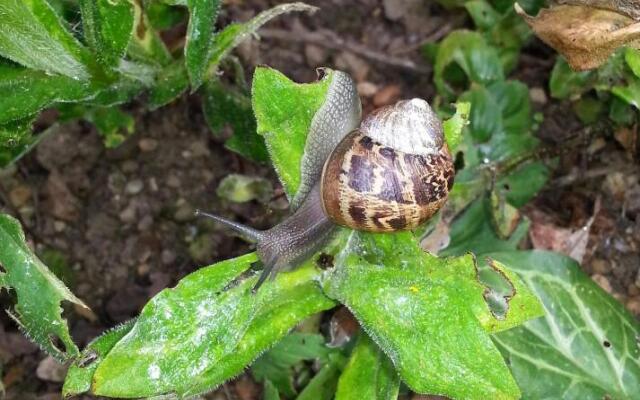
(606, 344)
(325, 261)
(506, 187)
(87, 359)
(458, 164)
(499, 289)
(57, 343)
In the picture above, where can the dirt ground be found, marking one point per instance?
(119, 224)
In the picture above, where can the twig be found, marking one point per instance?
(581, 176)
(331, 40)
(433, 36)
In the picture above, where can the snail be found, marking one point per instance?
(391, 173)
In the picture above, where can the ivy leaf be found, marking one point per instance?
(39, 293)
(191, 338)
(429, 315)
(108, 26)
(202, 17)
(32, 34)
(585, 347)
(565, 82)
(284, 111)
(234, 34)
(369, 374)
(470, 53)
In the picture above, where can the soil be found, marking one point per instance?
(123, 219)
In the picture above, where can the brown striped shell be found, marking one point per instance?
(369, 185)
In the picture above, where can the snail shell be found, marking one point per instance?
(393, 173)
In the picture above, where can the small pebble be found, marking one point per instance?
(147, 144)
(184, 213)
(168, 257)
(538, 95)
(145, 223)
(173, 181)
(387, 95)
(600, 266)
(367, 89)
(59, 226)
(20, 195)
(50, 370)
(129, 166)
(603, 282)
(134, 187)
(153, 184)
(128, 215)
(143, 269)
(633, 305)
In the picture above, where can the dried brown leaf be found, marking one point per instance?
(585, 35)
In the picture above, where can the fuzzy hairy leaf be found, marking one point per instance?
(195, 336)
(32, 34)
(38, 291)
(202, 18)
(284, 111)
(429, 315)
(369, 374)
(585, 347)
(108, 26)
(232, 35)
(31, 91)
(172, 81)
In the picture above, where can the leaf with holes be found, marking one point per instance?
(39, 293)
(431, 316)
(191, 338)
(585, 347)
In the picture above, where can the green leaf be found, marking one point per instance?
(369, 374)
(27, 141)
(108, 26)
(242, 188)
(113, 124)
(565, 82)
(469, 52)
(39, 293)
(453, 126)
(145, 44)
(483, 15)
(15, 133)
(81, 371)
(232, 35)
(586, 346)
(632, 57)
(31, 91)
(197, 50)
(32, 34)
(284, 111)
(429, 315)
(277, 365)
(193, 337)
(630, 94)
(270, 392)
(172, 81)
(525, 182)
(224, 105)
(323, 384)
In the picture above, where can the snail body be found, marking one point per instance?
(391, 173)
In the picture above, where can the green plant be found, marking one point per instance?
(118, 56)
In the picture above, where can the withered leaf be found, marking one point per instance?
(585, 35)
(630, 8)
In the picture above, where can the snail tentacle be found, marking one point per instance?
(249, 234)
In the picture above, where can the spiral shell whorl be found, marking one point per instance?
(409, 126)
(338, 115)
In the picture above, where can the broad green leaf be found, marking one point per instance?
(172, 81)
(31, 91)
(323, 385)
(453, 126)
(108, 26)
(232, 35)
(284, 111)
(429, 315)
(270, 392)
(225, 105)
(565, 83)
(32, 34)
(113, 124)
(197, 50)
(369, 374)
(469, 52)
(525, 182)
(484, 16)
(585, 347)
(193, 337)
(242, 188)
(39, 293)
(278, 364)
(80, 373)
(630, 93)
